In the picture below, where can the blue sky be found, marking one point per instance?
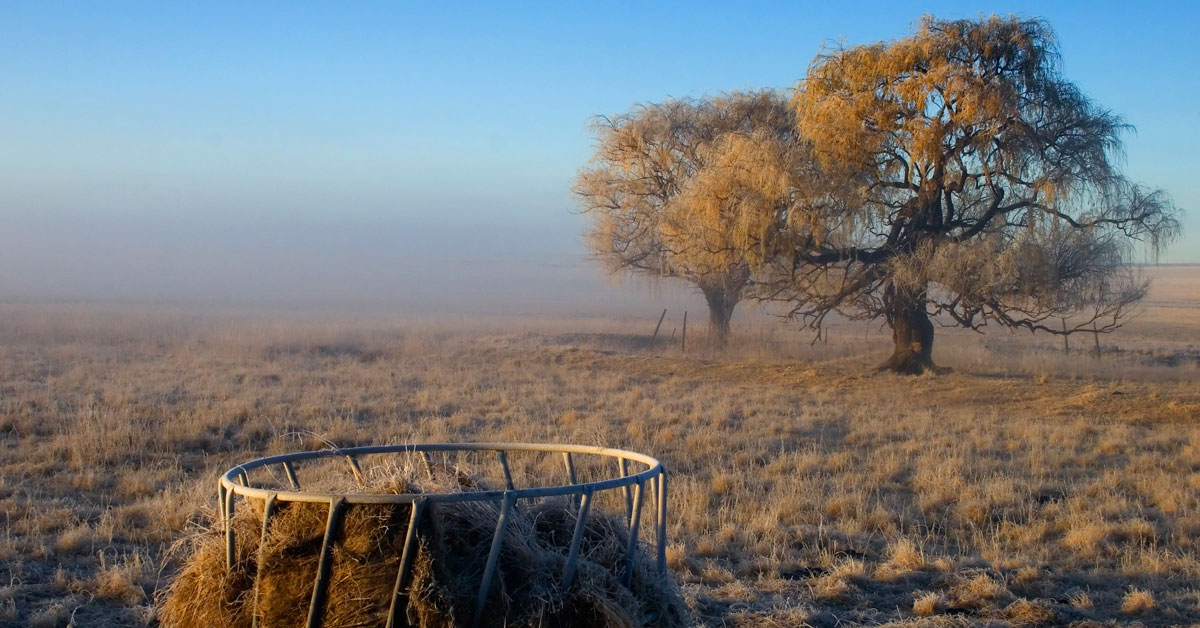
(456, 127)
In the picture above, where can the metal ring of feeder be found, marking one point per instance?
(236, 482)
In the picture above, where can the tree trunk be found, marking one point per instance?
(912, 333)
(720, 311)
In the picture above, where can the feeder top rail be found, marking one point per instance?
(230, 479)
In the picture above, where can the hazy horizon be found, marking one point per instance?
(413, 158)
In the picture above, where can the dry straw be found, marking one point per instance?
(270, 581)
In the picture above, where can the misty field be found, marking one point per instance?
(1027, 486)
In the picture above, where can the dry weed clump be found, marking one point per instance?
(122, 580)
(1029, 613)
(980, 592)
(1082, 601)
(904, 558)
(453, 544)
(78, 539)
(1137, 601)
(928, 604)
(53, 616)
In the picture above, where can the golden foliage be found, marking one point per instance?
(957, 167)
(683, 188)
(954, 168)
(951, 86)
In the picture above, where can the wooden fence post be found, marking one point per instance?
(683, 340)
(660, 320)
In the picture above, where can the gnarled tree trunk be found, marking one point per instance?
(721, 301)
(912, 335)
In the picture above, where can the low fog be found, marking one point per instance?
(401, 264)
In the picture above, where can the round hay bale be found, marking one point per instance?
(453, 544)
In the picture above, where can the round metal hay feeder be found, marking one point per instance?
(236, 482)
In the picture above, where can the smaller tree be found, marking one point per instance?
(659, 206)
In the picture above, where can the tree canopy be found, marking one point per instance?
(954, 173)
(960, 174)
(659, 209)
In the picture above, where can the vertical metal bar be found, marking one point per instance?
(623, 466)
(585, 505)
(654, 496)
(634, 523)
(662, 523)
(356, 470)
(230, 558)
(572, 477)
(406, 559)
(570, 467)
(268, 510)
(639, 496)
(316, 607)
(291, 475)
(493, 556)
(243, 477)
(221, 501)
(508, 481)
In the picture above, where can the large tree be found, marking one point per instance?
(960, 175)
(656, 202)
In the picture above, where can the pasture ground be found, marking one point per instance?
(1028, 486)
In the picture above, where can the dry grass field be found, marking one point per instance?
(1026, 487)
